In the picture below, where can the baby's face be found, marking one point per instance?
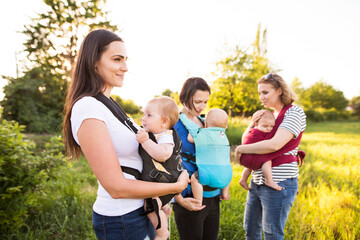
(265, 125)
(152, 120)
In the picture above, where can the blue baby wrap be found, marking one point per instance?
(212, 154)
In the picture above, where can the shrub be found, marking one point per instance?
(321, 114)
(22, 173)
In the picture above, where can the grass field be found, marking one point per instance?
(327, 205)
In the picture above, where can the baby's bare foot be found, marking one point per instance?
(273, 185)
(244, 184)
(167, 210)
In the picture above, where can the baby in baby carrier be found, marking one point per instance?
(212, 155)
(160, 149)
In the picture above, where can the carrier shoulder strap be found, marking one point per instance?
(117, 110)
(132, 171)
(119, 113)
(192, 127)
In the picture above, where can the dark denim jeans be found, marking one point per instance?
(129, 226)
(267, 209)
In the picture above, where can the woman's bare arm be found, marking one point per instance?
(281, 137)
(160, 152)
(98, 149)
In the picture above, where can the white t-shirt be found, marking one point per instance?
(126, 148)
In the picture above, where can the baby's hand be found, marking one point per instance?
(142, 136)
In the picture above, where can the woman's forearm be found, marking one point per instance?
(282, 136)
(127, 188)
(262, 147)
(159, 152)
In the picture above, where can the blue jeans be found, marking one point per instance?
(267, 209)
(129, 226)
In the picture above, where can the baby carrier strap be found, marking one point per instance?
(192, 127)
(120, 114)
(117, 110)
(132, 171)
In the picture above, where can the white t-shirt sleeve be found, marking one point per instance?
(165, 137)
(85, 108)
(294, 120)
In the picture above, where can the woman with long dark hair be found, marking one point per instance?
(108, 145)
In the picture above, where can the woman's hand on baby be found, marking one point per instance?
(142, 136)
(256, 116)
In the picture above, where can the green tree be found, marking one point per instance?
(355, 105)
(323, 95)
(297, 87)
(36, 99)
(128, 105)
(174, 95)
(235, 88)
(53, 37)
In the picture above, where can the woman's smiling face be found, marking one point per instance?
(112, 65)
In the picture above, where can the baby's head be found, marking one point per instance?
(216, 118)
(160, 114)
(266, 122)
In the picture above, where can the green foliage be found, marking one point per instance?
(323, 95)
(167, 92)
(321, 114)
(235, 89)
(36, 99)
(22, 173)
(236, 127)
(128, 105)
(298, 89)
(174, 95)
(53, 37)
(355, 105)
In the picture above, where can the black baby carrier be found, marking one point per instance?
(153, 171)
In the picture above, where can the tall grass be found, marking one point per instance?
(235, 129)
(328, 206)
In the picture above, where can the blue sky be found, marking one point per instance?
(169, 41)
